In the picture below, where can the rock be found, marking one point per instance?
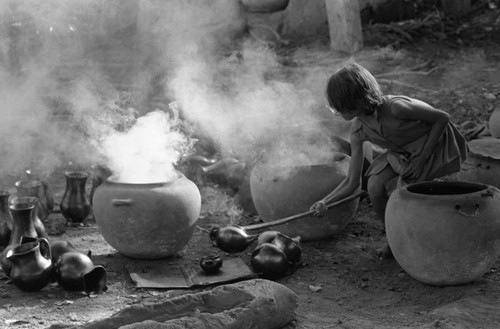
(249, 304)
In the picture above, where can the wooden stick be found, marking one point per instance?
(304, 214)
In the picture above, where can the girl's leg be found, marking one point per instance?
(378, 192)
(379, 195)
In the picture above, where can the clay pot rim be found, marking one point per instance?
(474, 189)
(23, 202)
(113, 180)
(28, 183)
(76, 174)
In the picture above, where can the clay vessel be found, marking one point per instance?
(147, 221)
(34, 188)
(211, 264)
(494, 123)
(75, 205)
(444, 233)
(290, 246)
(76, 271)
(31, 265)
(283, 191)
(265, 6)
(231, 239)
(21, 225)
(270, 261)
(5, 218)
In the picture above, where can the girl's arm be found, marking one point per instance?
(351, 183)
(421, 111)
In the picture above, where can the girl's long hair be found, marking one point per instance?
(353, 87)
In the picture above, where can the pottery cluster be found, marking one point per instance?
(276, 254)
(31, 261)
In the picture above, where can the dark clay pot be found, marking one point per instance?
(75, 205)
(75, 271)
(231, 239)
(444, 233)
(37, 189)
(147, 221)
(279, 192)
(31, 265)
(211, 264)
(270, 261)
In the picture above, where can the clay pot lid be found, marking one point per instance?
(485, 147)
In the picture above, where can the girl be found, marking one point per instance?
(420, 141)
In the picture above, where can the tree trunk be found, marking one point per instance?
(344, 24)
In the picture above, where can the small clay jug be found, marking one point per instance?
(25, 218)
(75, 205)
(290, 246)
(211, 264)
(31, 265)
(76, 271)
(5, 219)
(34, 188)
(270, 261)
(7, 264)
(231, 239)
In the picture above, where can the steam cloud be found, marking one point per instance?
(79, 78)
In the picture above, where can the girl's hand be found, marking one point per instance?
(319, 208)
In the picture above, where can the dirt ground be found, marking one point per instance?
(342, 284)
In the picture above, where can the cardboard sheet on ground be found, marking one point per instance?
(169, 276)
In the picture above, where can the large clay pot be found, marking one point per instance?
(494, 123)
(279, 192)
(483, 162)
(147, 221)
(444, 233)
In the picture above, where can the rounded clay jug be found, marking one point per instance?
(444, 233)
(31, 265)
(147, 221)
(34, 188)
(282, 191)
(76, 271)
(75, 205)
